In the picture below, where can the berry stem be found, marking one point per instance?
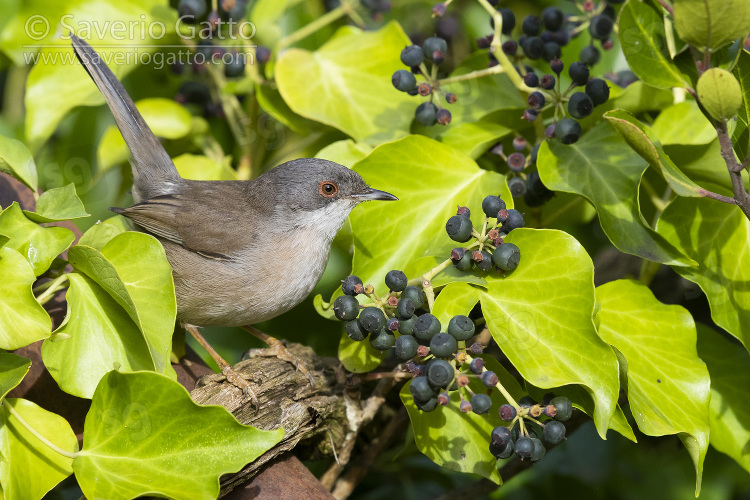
(308, 29)
(52, 288)
(36, 434)
(494, 70)
(735, 168)
(499, 386)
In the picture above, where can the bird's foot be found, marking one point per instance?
(239, 380)
(277, 349)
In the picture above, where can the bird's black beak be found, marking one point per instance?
(374, 194)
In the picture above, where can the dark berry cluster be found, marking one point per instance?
(488, 249)
(521, 437)
(529, 186)
(433, 50)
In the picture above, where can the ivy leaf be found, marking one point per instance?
(694, 225)
(461, 441)
(100, 233)
(641, 140)
(40, 245)
(683, 123)
(58, 204)
(729, 413)
(540, 315)
(668, 384)
(16, 161)
(607, 172)
(202, 168)
(359, 357)
(474, 138)
(644, 43)
(711, 24)
(454, 299)
(134, 417)
(356, 67)
(345, 152)
(741, 135)
(13, 369)
(28, 468)
(430, 179)
(134, 270)
(22, 319)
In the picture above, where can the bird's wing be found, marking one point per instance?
(156, 215)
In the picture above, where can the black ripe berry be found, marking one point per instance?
(432, 45)
(532, 25)
(506, 256)
(451, 98)
(556, 65)
(539, 450)
(443, 116)
(406, 325)
(489, 379)
(404, 80)
(235, 67)
(536, 100)
(531, 80)
(428, 406)
(413, 55)
(517, 187)
(352, 285)
(601, 27)
(190, 10)
(354, 331)
(491, 205)
(461, 259)
(516, 161)
(598, 90)
(507, 413)
(510, 47)
(426, 327)
(547, 82)
(476, 366)
(533, 47)
(371, 319)
(396, 280)
(554, 432)
(382, 340)
(483, 260)
(500, 435)
(568, 131)
(461, 327)
(502, 452)
(553, 18)
(524, 447)
(481, 403)
(537, 193)
(589, 55)
(426, 114)
(443, 346)
(514, 221)
(580, 105)
(345, 307)
(421, 390)
(414, 293)
(563, 408)
(509, 20)
(551, 52)
(405, 308)
(459, 228)
(440, 373)
(579, 73)
(406, 347)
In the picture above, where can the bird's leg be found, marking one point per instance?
(276, 349)
(236, 379)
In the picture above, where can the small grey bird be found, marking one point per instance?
(241, 252)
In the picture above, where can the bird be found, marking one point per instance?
(241, 252)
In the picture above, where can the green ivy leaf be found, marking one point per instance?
(454, 299)
(461, 441)
(16, 161)
(100, 233)
(202, 168)
(711, 24)
(355, 67)
(40, 245)
(683, 123)
(271, 101)
(359, 357)
(13, 369)
(430, 179)
(134, 417)
(644, 43)
(703, 164)
(345, 152)
(22, 319)
(741, 135)
(641, 140)
(474, 138)
(694, 225)
(607, 172)
(28, 468)
(58, 204)
(729, 413)
(540, 315)
(668, 384)
(134, 270)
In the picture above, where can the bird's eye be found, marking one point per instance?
(328, 189)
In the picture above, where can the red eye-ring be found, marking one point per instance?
(328, 189)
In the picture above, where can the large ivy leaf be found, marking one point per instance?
(540, 315)
(461, 441)
(741, 135)
(474, 138)
(347, 82)
(668, 384)
(606, 171)
(717, 236)
(147, 425)
(102, 232)
(58, 204)
(345, 152)
(202, 168)
(644, 43)
(703, 164)
(711, 24)
(454, 299)
(641, 140)
(13, 369)
(22, 319)
(133, 269)
(28, 468)
(358, 357)
(97, 336)
(16, 160)
(729, 413)
(40, 245)
(683, 123)
(430, 179)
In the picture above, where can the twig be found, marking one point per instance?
(741, 197)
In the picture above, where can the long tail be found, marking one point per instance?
(153, 171)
